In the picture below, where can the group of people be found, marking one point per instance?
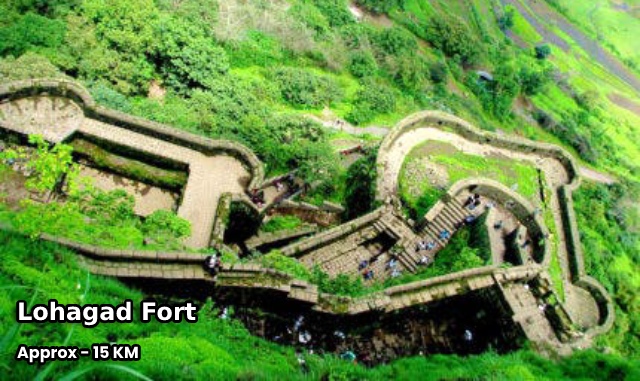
(424, 245)
(289, 181)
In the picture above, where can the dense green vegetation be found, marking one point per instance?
(86, 214)
(250, 71)
(279, 223)
(609, 221)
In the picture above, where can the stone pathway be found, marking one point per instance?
(555, 175)
(209, 176)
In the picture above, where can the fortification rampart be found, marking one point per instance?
(447, 122)
(75, 92)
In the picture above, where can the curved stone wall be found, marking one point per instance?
(81, 96)
(521, 208)
(442, 120)
(445, 121)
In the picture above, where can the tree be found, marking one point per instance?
(505, 21)
(542, 51)
(454, 38)
(186, 57)
(163, 226)
(47, 165)
(532, 80)
(31, 31)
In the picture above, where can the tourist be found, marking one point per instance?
(396, 273)
(431, 245)
(498, 225)
(468, 335)
(339, 334)
(445, 234)
(392, 263)
(363, 265)
(298, 323)
(424, 260)
(469, 219)
(368, 275)
(469, 201)
(304, 337)
(212, 264)
(348, 355)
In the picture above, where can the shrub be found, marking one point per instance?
(31, 31)
(278, 261)
(362, 64)
(28, 65)
(279, 223)
(542, 51)
(371, 100)
(164, 226)
(358, 36)
(186, 57)
(396, 41)
(454, 38)
(108, 97)
(335, 11)
(310, 16)
(303, 88)
(438, 72)
(381, 6)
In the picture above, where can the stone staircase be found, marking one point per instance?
(447, 218)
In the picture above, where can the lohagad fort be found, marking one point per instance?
(512, 299)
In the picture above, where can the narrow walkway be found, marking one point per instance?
(209, 176)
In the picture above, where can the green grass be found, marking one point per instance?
(279, 223)
(459, 165)
(522, 28)
(615, 28)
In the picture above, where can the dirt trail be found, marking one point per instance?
(343, 125)
(596, 176)
(625, 102)
(604, 58)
